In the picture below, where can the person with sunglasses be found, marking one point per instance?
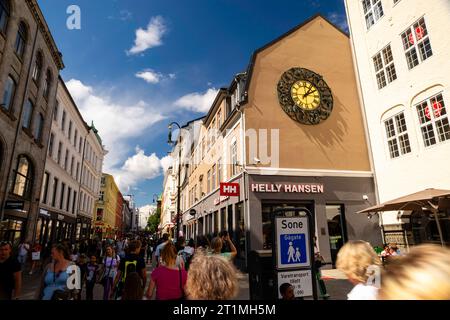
(10, 274)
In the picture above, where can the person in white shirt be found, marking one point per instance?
(360, 263)
(22, 257)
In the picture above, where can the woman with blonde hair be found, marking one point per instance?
(220, 282)
(422, 274)
(358, 260)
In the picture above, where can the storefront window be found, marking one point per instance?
(216, 223)
(223, 219)
(23, 177)
(11, 230)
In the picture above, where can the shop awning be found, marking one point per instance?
(433, 200)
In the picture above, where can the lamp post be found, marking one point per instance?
(179, 172)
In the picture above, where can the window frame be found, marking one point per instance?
(5, 12)
(9, 107)
(383, 68)
(21, 40)
(37, 68)
(28, 111)
(433, 120)
(371, 11)
(397, 136)
(415, 47)
(28, 178)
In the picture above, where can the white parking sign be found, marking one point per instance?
(301, 280)
(293, 245)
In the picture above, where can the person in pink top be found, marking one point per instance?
(168, 280)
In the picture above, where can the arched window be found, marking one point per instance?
(47, 84)
(8, 94)
(21, 40)
(37, 69)
(27, 114)
(23, 178)
(5, 12)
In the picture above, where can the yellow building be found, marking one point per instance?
(106, 207)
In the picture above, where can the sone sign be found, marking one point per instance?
(292, 242)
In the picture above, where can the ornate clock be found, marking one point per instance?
(305, 96)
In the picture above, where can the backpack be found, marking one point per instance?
(130, 267)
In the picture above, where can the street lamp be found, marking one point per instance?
(179, 171)
(155, 196)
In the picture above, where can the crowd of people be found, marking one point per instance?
(178, 270)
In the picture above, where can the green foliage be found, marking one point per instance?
(153, 221)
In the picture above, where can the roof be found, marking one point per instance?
(47, 35)
(255, 53)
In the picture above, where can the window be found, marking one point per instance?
(72, 165)
(373, 11)
(55, 190)
(416, 44)
(74, 204)
(219, 170)
(101, 196)
(8, 94)
(50, 145)
(38, 127)
(397, 136)
(23, 180)
(47, 84)
(203, 148)
(78, 171)
(27, 114)
(55, 113)
(66, 159)
(383, 62)
(63, 121)
(37, 68)
(234, 159)
(45, 187)
(21, 40)
(220, 118)
(61, 199)
(213, 177)
(75, 138)
(5, 11)
(59, 153)
(433, 120)
(70, 131)
(209, 182)
(69, 193)
(213, 132)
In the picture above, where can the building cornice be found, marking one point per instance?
(43, 27)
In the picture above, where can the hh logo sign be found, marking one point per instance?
(293, 248)
(229, 190)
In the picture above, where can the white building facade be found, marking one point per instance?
(168, 204)
(402, 57)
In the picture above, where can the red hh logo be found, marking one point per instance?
(229, 190)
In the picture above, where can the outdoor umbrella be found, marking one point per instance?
(432, 199)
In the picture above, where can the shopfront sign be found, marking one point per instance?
(229, 189)
(14, 205)
(287, 188)
(293, 245)
(301, 280)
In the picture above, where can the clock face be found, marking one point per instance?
(305, 96)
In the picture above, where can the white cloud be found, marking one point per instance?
(198, 102)
(137, 168)
(166, 162)
(150, 76)
(153, 77)
(150, 37)
(339, 20)
(116, 122)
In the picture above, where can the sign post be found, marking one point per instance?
(293, 252)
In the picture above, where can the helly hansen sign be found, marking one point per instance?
(287, 188)
(229, 190)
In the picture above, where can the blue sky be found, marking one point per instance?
(134, 66)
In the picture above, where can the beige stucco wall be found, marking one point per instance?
(338, 143)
